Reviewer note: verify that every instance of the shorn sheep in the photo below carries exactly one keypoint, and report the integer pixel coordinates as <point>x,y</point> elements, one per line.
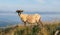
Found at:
<point>28,18</point>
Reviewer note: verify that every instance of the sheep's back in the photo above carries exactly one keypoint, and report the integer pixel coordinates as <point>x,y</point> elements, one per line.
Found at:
<point>33,18</point>
<point>37,17</point>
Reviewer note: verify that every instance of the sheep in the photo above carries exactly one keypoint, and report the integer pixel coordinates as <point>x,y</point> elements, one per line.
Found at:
<point>35,18</point>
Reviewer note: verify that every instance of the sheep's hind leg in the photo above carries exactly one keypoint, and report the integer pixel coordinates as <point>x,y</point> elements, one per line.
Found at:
<point>40,24</point>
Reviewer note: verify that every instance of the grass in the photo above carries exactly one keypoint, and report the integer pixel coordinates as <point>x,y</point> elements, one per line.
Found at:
<point>48,29</point>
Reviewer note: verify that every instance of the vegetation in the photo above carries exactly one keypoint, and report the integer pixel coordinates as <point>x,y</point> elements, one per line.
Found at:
<point>48,29</point>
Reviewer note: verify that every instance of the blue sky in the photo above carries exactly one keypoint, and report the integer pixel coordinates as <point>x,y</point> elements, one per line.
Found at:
<point>30,5</point>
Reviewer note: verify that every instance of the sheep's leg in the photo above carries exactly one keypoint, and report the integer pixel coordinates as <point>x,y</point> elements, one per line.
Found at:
<point>25,24</point>
<point>26,31</point>
<point>40,23</point>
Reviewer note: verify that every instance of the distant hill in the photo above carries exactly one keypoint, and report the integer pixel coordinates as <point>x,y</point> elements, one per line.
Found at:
<point>4,23</point>
<point>31,12</point>
<point>7,12</point>
<point>42,12</point>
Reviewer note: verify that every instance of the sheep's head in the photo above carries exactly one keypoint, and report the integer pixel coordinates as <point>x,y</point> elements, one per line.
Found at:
<point>19,11</point>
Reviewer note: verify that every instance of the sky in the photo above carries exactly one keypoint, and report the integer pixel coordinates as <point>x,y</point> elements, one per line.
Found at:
<point>30,5</point>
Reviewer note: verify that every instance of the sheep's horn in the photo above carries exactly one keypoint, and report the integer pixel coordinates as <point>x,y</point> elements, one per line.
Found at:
<point>18,11</point>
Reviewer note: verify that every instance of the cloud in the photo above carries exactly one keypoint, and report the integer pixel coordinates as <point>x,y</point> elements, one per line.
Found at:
<point>32,5</point>
<point>40,1</point>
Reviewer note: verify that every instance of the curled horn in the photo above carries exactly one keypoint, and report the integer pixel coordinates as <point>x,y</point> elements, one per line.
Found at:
<point>19,11</point>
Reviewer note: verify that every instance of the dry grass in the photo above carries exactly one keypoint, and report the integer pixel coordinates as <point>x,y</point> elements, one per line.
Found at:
<point>48,29</point>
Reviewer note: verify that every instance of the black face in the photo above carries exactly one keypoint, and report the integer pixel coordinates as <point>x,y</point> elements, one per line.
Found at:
<point>19,11</point>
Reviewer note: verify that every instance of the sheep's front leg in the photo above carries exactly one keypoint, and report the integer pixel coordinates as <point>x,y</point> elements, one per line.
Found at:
<point>25,24</point>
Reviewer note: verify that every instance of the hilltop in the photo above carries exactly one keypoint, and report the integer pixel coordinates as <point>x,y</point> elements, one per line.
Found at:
<point>48,29</point>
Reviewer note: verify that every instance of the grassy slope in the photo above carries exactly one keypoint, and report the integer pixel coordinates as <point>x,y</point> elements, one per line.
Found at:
<point>48,29</point>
